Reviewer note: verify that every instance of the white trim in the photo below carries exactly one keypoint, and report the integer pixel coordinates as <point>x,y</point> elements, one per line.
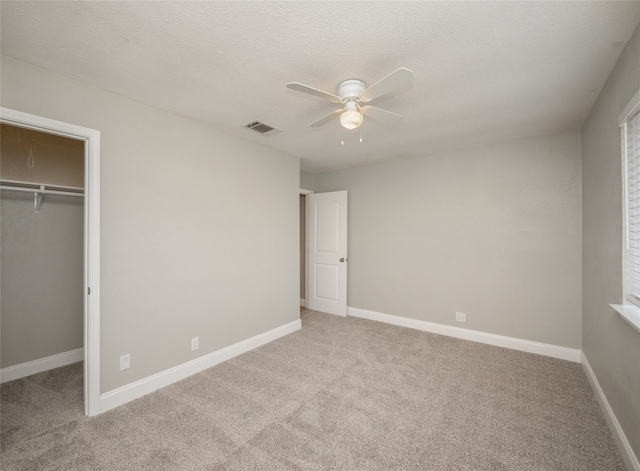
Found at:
<point>630,108</point>
<point>629,457</point>
<point>630,313</point>
<point>91,255</point>
<point>334,314</point>
<point>132,391</point>
<point>43,364</point>
<point>303,302</point>
<point>554,351</point>
<point>305,192</point>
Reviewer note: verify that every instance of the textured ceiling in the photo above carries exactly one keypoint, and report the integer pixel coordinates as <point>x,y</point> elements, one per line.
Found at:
<point>484,71</point>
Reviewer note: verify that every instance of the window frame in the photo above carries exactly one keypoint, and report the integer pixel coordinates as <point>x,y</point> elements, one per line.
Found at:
<point>631,292</point>
<point>630,307</point>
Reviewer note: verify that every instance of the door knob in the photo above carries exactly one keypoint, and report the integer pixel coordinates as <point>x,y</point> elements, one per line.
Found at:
<point>342,259</point>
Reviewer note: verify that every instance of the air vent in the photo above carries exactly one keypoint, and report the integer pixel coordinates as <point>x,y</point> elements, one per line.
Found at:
<point>262,128</point>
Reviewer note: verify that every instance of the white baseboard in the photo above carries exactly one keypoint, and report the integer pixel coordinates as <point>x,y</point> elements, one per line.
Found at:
<point>555,351</point>
<point>303,302</point>
<point>629,457</point>
<point>160,380</point>
<point>43,364</point>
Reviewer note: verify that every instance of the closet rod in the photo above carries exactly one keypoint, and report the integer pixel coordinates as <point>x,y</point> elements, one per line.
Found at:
<point>42,190</point>
<point>39,190</point>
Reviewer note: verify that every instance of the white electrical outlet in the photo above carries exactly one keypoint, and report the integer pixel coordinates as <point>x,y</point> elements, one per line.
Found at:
<point>461,317</point>
<point>195,343</point>
<point>125,362</point>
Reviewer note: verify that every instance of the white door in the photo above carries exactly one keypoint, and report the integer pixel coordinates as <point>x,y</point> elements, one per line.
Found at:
<point>326,288</point>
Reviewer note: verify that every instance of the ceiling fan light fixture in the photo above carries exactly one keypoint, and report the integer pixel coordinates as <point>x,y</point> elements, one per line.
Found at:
<point>351,119</point>
<point>356,97</point>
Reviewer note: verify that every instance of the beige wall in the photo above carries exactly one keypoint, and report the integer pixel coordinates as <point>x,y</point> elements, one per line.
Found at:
<point>611,346</point>
<point>306,181</point>
<point>40,253</point>
<point>56,160</point>
<point>199,230</point>
<point>493,232</point>
<point>41,273</point>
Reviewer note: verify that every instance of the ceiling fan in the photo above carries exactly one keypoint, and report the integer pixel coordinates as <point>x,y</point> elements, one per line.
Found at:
<point>354,96</point>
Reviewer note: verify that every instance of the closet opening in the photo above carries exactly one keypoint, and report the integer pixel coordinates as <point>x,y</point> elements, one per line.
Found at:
<point>49,250</point>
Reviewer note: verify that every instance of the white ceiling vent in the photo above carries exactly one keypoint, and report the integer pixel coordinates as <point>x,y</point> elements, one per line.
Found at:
<point>261,128</point>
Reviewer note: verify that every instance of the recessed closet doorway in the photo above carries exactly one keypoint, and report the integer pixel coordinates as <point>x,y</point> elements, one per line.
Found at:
<point>42,211</point>
<point>50,249</point>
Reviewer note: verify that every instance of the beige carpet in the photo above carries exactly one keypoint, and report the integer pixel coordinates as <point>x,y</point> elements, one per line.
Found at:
<point>341,393</point>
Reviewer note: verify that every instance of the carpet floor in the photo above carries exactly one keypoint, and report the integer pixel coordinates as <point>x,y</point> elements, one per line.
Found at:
<point>341,393</point>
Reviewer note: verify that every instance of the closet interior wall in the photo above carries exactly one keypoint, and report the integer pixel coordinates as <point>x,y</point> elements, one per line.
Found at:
<point>41,252</point>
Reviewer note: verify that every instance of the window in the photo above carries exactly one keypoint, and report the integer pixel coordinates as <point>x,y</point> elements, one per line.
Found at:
<point>630,126</point>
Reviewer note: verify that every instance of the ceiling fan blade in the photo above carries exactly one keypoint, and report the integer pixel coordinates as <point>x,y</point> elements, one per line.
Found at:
<point>395,80</point>
<point>324,120</point>
<point>386,117</point>
<point>312,91</point>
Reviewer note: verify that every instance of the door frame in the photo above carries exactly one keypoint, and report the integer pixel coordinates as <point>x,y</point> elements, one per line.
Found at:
<point>304,192</point>
<point>91,249</point>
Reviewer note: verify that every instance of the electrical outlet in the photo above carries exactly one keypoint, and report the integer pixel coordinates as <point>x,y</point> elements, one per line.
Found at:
<point>125,362</point>
<point>195,343</point>
<point>461,317</point>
